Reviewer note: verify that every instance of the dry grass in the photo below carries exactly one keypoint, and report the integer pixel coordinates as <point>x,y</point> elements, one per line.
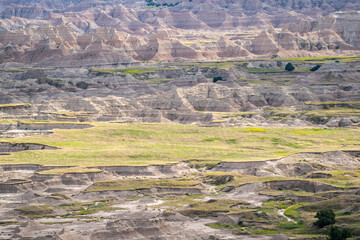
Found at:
<point>144,144</point>
<point>61,171</point>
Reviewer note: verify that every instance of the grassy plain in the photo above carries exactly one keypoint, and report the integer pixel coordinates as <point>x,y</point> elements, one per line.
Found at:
<point>144,144</point>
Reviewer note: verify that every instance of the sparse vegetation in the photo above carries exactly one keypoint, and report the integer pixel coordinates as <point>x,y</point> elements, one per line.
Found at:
<point>14,105</point>
<point>58,83</point>
<point>232,227</point>
<point>135,71</point>
<point>61,171</point>
<point>6,223</point>
<point>36,211</point>
<point>86,208</point>
<point>292,212</point>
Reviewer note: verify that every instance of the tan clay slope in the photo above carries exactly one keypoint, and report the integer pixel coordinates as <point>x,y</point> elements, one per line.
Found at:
<point>345,24</point>
<point>332,35</point>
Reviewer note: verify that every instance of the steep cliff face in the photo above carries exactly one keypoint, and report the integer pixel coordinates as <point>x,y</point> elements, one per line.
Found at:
<point>344,24</point>
<point>86,33</point>
<point>66,44</point>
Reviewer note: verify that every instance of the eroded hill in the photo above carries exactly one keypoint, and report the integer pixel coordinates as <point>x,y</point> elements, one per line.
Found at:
<point>105,33</point>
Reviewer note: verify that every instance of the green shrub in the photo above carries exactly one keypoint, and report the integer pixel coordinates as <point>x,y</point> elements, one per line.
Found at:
<point>289,67</point>
<point>337,233</point>
<point>315,68</point>
<point>326,217</point>
<point>219,78</point>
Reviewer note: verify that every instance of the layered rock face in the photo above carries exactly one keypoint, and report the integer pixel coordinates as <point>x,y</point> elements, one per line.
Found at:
<point>68,33</point>
<point>63,46</point>
<point>336,26</point>
<point>178,94</point>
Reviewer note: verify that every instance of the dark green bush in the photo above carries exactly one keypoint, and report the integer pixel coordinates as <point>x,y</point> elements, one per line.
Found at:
<point>289,67</point>
<point>219,78</point>
<point>326,217</point>
<point>337,233</point>
<point>315,68</point>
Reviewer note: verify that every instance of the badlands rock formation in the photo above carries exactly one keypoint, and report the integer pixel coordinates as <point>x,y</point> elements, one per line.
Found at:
<point>41,205</point>
<point>81,33</point>
<point>184,94</point>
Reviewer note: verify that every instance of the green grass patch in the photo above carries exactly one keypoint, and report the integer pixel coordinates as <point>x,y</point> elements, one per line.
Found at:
<point>141,70</point>
<point>330,104</point>
<point>218,65</point>
<point>36,211</point>
<point>291,225</point>
<point>103,71</point>
<point>342,179</point>
<point>6,223</point>
<point>331,112</point>
<point>251,81</point>
<point>210,208</point>
<point>323,59</point>
<point>14,105</point>
<point>135,71</point>
<point>59,196</point>
<point>231,114</point>
<point>219,205</point>
<point>85,208</point>
<point>280,142</point>
<point>225,226</point>
<point>293,213</point>
<point>212,139</point>
<point>336,203</point>
<point>265,231</point>
<point>278,203</point>
<point>144,144</point>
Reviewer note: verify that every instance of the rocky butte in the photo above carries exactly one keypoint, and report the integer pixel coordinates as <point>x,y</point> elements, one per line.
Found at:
<point>179,119</point>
